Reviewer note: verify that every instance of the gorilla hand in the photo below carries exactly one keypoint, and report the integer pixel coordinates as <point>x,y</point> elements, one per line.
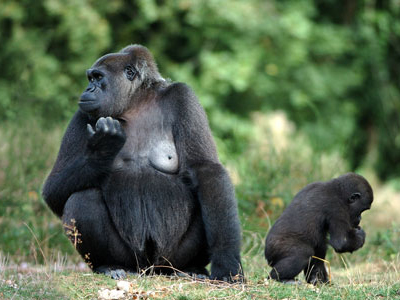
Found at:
<point>106,140</point>
<point>359,239</point>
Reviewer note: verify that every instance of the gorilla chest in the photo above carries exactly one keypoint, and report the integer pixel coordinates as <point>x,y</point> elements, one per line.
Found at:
<point>149,143</point>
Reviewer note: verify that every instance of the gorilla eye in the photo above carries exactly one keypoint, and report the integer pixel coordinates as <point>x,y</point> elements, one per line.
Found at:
<point>130,72</point>
<point>98,76</point>
<point>354,197</point>
<point>94,75</point>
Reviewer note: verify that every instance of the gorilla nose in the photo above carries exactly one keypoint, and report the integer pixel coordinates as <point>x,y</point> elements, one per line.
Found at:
<point>90,89</point>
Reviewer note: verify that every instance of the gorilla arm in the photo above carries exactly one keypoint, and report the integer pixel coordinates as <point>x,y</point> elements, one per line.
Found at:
<point>215,191</point>
<point>344,237</point>
<point>82,161</point>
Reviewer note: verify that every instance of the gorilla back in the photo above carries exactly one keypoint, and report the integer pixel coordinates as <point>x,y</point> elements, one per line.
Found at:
<point>298,239</point>
<point>139,178</point>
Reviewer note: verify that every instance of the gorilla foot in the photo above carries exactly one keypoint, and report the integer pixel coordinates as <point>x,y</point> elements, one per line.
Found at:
<point>238,278</point>
<point>285,281</point>
<point>291,282</point>
<point>114,272</point>
<point>317,276</point>
<point>195,273</point>
<point>316,280</point>
<point>195,276</point>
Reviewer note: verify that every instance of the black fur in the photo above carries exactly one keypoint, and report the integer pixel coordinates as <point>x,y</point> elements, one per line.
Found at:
<point>321,208</point>
<point>128,213</point>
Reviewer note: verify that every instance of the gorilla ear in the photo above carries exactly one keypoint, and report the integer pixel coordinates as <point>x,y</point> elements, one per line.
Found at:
<point>354,197</point>
<point>130,72</point>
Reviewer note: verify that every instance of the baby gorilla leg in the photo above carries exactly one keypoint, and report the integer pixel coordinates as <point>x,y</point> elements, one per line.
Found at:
<point>315,272</point>
<point>90,229</point>
<point>289,267</point>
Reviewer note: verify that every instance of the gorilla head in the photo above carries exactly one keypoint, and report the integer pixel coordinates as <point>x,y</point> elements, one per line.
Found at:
<point>119,76</point>
<point>357,195</point>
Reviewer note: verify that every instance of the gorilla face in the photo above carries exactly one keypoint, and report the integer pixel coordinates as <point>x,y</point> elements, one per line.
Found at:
<point>359,202</point>
<point>91,99</point>
<point>115,79</point>
<point>109,89</point>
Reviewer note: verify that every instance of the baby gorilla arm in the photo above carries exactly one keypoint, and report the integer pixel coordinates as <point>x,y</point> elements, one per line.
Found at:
<point>344,238</point>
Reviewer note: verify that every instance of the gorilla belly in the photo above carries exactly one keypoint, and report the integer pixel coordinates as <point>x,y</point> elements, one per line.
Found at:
<point>151,211</point>
<point>149,204</point>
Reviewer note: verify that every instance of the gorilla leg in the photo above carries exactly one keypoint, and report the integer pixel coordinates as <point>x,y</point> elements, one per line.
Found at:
<point>315,271</point>
<point>198,250</point>
<point>192,255</point>
<point>89,227</point>
<point>288,267</point>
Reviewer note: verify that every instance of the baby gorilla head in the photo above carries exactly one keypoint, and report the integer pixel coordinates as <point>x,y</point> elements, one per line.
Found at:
<point>321,208</point>
<point>357,194</point>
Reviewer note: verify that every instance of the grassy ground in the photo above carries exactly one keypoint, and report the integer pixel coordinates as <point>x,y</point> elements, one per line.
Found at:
<point>369,280</point>
<point>363,275</point>
<point>31,237</point>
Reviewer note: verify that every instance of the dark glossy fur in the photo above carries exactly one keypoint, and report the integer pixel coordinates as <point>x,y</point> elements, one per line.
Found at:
<point>321,208</point>
<point>129,214</point>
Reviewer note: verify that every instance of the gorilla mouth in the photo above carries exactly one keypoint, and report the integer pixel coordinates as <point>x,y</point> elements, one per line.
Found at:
<point>88,105</point>
<point>356,222</point>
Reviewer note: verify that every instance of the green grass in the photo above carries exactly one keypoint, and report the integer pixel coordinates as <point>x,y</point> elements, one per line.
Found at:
<point>370,280</point>
<point>366,276</point>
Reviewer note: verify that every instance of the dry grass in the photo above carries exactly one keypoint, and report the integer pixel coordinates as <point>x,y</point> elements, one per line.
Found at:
<point>369,280</point>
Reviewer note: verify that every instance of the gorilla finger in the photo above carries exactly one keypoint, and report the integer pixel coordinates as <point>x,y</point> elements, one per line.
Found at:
<point>117,124</point>
<point>90,130</point>
<point>118,127</point>
<point>111,125</point>
<point>102,126</point>
<point>99,122</point>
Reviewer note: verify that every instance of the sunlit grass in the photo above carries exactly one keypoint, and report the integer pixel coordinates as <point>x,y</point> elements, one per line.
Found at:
<point>369,280</point>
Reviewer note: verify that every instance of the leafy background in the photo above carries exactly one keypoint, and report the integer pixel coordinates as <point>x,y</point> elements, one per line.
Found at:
<point>295,91</point>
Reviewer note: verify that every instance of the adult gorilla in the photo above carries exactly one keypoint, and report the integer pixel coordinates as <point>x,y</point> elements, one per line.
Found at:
<point>138,176</point>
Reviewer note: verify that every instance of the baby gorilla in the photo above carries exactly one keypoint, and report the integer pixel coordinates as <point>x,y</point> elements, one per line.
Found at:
<point>300,233</point>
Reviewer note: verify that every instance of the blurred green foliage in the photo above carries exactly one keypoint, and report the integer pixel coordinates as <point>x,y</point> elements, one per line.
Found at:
<point>387,242</point>
<point>332,66</point>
